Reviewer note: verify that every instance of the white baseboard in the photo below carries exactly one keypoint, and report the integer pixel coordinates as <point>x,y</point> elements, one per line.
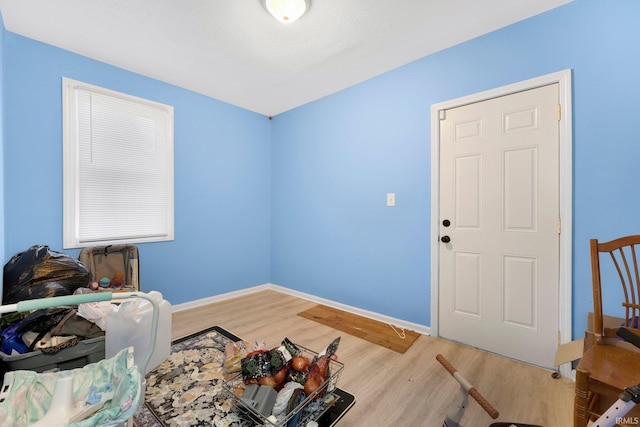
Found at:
<point>218,298</point>
<point>399,323</point>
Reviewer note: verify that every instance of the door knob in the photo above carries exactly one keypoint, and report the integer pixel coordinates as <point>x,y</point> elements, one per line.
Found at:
<point>445,239</point>
<point>446,223</point>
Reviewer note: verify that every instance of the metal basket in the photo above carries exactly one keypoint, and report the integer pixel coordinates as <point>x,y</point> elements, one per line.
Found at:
<point>312,406</point>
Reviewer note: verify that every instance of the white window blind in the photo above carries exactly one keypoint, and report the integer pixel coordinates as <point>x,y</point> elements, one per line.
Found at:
<point>118,167</point>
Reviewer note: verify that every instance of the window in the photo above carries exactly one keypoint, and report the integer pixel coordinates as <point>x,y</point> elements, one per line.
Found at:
<point>118,167</point>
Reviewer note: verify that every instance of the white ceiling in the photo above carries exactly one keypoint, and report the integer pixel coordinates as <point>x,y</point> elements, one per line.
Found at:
<point>234,51</point>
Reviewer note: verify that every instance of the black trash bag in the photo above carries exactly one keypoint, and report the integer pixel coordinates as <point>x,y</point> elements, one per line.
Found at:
<point>42,273</point>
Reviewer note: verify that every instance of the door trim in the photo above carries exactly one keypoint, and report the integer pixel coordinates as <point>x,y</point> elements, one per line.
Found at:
<point>564,81</point>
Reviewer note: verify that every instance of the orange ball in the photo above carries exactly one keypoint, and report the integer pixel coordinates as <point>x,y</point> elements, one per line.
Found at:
<point>118,279</point>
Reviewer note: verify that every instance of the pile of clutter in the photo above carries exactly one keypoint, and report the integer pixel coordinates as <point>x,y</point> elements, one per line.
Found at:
<point>47,330</point>
<point>40,273</point>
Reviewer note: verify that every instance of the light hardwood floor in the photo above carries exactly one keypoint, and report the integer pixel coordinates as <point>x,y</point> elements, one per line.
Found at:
<point>392,389</point>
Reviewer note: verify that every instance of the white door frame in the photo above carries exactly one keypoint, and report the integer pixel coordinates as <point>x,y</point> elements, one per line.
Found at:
<point>563,78</point>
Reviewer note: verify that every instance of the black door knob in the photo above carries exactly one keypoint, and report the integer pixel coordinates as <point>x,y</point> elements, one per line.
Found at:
<point>445,239</point>
<point>446,223</point>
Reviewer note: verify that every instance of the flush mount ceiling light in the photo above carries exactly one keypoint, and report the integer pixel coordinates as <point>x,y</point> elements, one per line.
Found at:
<point>286,11</point>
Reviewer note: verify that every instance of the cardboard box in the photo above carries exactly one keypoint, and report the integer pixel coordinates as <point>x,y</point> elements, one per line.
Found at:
<point>574,350</point>
<point>609,322</point>
<point>569,352</point>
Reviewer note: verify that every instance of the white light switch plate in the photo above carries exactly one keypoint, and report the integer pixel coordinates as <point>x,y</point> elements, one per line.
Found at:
<point>391,199</point>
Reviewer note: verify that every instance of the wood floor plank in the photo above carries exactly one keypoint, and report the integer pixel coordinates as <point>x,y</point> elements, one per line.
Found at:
<point>393,389</point>
<point>380,333</point>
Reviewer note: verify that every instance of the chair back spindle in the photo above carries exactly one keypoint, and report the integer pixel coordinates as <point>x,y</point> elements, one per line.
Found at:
<point>623,255</point>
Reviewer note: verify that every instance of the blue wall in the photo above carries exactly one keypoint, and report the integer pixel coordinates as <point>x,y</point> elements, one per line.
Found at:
<point>335,159</point>
<point>222,174</point>
<point>300,201</point>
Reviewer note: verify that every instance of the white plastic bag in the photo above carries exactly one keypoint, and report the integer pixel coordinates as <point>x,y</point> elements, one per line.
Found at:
<point>96,312</point>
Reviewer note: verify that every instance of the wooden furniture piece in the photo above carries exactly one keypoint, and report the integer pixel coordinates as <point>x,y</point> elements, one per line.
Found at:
<point>607,367</point>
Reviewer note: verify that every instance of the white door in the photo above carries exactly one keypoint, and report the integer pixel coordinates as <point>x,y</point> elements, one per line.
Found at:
<point>499,225</point>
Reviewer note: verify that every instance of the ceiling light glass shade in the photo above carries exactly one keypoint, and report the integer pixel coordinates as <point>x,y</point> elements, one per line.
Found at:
<point>286,11</point>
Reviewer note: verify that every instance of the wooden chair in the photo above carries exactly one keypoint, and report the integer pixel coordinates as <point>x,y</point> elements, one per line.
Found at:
<point>606,369</point>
